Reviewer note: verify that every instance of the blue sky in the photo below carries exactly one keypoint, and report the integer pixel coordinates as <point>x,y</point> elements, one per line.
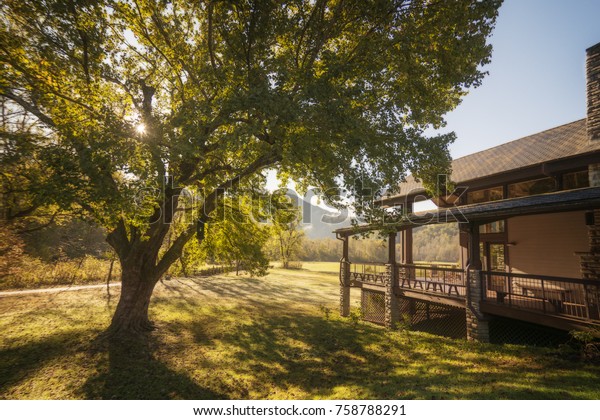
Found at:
<point>536,78</point>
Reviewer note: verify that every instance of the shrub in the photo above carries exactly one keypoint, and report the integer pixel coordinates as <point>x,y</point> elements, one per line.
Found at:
<point>325,311</point>
<point>32,272</point>
<point>587,343</point>
<point>11,252</point>
<point>294,265</point>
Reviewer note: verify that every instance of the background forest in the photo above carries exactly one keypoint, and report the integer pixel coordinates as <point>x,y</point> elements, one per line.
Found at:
<point>430,243</point>
<point>74,252</point>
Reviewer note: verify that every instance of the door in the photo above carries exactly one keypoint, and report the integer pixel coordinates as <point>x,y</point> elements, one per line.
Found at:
<point>493,256</point>
<point>494,259</point>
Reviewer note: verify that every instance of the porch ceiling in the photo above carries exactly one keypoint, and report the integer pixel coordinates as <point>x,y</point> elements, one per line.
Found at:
<point>580,199</point>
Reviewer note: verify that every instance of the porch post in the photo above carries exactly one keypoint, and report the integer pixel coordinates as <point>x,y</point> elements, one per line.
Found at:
<point>407,241</point>
<point>392,248</point>
<point>407,246</point>
<point>345,279</point>
<point>392,314</point>
<point>477,322</point>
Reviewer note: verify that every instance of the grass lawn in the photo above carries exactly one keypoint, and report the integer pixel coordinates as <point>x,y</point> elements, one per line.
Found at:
<point>321,266</point>
<point>244,338</point>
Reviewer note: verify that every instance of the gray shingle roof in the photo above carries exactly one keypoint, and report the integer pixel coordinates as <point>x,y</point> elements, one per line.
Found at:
<point>554,144</point>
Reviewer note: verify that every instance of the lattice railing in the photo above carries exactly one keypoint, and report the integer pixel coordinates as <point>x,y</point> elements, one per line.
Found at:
<point>433,318</point>
<point>373,306</point>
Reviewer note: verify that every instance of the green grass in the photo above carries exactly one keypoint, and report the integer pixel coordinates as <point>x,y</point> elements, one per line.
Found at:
<point>277,337</point>
<point>321,266</point>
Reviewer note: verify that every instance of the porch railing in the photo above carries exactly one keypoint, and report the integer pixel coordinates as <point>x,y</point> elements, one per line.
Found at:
<point>436,279</point>
<point>550,295</point>
<point>372,273</point>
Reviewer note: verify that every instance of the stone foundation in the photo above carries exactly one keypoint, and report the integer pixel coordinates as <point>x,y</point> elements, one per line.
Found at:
<point>344,288</point>
<point>392,311</point>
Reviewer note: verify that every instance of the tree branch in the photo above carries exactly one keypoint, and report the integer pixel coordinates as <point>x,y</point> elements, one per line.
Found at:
<point>40,227</point>
<point>31,108</point>
<point>210,203</point>
<point>117,238</point>
<point>211,52</point>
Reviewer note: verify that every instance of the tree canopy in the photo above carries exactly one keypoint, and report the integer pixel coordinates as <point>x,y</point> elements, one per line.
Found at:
<point>115,107</point>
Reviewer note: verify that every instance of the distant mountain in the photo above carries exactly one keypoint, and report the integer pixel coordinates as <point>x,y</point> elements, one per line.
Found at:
<point>319,223</point>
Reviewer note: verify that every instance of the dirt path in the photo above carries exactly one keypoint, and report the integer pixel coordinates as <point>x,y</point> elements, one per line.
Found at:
<point>57,289</point>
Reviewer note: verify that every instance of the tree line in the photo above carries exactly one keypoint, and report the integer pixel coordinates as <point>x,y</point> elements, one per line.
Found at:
<point>430,243</point>
<point>73,252</point>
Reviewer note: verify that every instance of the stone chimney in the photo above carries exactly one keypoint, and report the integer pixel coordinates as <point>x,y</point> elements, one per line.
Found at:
<point>593,92</point>
<point>590,261</point>
<point>593,106</point>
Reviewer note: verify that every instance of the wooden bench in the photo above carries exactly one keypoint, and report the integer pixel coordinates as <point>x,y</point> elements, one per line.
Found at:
<point>449,287</point>
<point>552,293</point>
<point>443,287</point>
<point>498,284</point>
<point>531,303</point>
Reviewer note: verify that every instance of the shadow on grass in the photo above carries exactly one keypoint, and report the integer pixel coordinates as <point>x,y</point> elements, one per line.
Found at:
<point>287,351</point>
<point>320,357</point>
<point>132,372</point>
<point>249,291</point>
<point>19,362</point>
<point>129,370</point>
<point>270,342</point>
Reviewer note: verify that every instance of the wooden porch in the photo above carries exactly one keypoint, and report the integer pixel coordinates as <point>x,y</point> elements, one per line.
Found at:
<point>434,283</point>
<point>562,303</point>
<point>483,287</point>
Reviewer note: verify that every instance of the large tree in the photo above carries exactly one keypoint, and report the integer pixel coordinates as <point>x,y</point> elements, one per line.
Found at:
<point>129,103</point>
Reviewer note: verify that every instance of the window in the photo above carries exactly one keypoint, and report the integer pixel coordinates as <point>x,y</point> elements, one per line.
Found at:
<point>536,186</point>
<point>575,180</point>
<point>494,227</point>
<point>481,196</point>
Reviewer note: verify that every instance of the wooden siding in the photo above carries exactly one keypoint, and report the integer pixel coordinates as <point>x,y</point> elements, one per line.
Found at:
<point>546,244</point>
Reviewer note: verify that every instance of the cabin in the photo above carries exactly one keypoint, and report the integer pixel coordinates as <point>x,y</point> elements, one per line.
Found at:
<point>528,213</point>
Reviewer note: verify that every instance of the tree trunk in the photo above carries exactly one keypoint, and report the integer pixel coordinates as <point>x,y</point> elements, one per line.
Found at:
<point>184,270</point>
<point>131,315</point>
<point>109,277</point>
